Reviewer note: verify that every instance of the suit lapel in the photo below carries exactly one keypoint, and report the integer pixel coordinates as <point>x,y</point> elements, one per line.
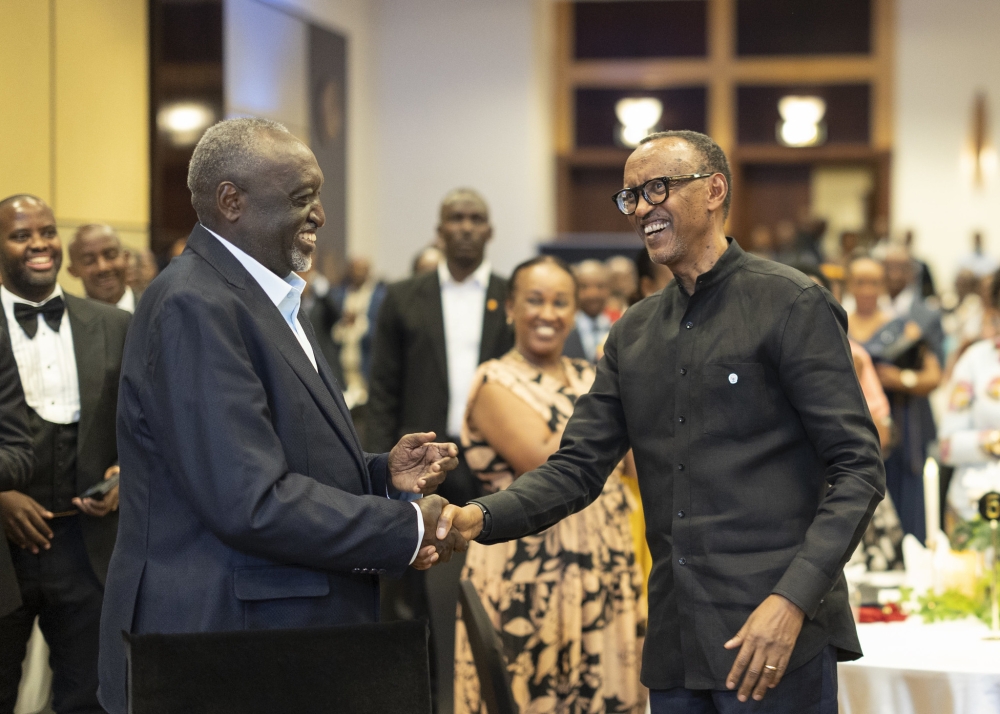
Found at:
<point>88,348</point>
<point>330,382</point>
<point>280,335</point>
<point>494,319</point>
<point>435,322</point>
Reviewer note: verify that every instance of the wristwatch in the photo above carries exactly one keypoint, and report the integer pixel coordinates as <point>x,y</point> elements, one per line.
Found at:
<point>487,522</point>
<point>909,378</point>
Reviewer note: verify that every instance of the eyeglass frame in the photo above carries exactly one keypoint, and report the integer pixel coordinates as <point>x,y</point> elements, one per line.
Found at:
<point>641,190</point>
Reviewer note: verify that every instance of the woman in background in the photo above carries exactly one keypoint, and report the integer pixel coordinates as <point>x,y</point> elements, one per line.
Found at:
<point>970,428</point>
<point>565,602</point>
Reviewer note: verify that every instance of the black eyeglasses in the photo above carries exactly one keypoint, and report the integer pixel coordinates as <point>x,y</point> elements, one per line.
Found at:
<point>654,191</point>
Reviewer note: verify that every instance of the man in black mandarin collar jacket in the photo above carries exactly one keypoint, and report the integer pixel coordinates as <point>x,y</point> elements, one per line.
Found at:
<point>757,459</point>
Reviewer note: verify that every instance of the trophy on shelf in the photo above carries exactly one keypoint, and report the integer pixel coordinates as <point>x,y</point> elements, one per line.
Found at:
<point>989,509</point>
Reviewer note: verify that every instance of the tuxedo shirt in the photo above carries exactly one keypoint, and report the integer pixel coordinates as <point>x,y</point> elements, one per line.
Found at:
<point>46,363</point>
<point>127,302</point>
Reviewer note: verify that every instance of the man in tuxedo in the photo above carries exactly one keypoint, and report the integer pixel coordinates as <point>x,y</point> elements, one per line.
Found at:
<point>249,503</point>
<point>68,352</point>
<point>97,258</point>
<point>16,456</point>
<point>757,459</point>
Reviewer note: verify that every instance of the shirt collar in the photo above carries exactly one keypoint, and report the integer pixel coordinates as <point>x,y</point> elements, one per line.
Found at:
<point>127,303</point>
<point>10,298</point>
<point>275,288</point>
<point>727,263</point>
<point>480,278</point>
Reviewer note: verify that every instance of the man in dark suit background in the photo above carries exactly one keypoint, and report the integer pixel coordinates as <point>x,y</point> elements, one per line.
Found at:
<point>248,502</point>
<point>16,457</point>
<point>433,331</point>
<point>68,352</point>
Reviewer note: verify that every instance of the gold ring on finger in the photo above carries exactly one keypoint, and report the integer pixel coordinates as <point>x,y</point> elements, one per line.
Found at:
<point>770,667</point>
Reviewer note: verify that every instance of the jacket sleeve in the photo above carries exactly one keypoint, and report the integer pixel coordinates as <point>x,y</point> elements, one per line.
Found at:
<point>817,375</point>
<point>595,440</point>
<point>386,384</point>
<point>16,447</point>
<point>209,410</point>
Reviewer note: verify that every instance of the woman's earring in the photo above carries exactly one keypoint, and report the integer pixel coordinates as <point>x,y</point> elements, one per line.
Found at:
<point>510,321</point>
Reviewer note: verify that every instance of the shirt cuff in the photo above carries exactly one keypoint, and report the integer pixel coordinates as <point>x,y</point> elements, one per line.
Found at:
<point>420,532</point>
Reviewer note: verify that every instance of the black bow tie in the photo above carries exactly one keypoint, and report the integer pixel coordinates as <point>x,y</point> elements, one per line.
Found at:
<point>27,315</point>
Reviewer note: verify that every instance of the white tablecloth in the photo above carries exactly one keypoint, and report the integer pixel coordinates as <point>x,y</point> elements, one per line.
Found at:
<point>913,668</point>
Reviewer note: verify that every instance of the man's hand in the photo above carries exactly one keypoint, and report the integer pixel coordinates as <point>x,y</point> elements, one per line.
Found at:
<point>467,521</point>
<point>766,641</point>
<point>435,549</point>
<point>93,507</point>
<point>24,521</point>
<point>418,465</point>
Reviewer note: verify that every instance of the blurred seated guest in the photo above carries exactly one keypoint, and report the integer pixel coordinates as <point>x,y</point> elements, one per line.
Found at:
<point>978,261</point>
<point>142,268</point>
<point>359,298</point>
<point>565,602</point>
<point>809,237</point>
<point>907,300</point>
<point>623,281</point>
<point>761,242</point>
<point>426,261</point>
<point>97,258</point>
<point>970,428</point>
<point>924,278</point>
<point>788,246</point>
<point>592,321</point>
<point>964,322</point>
<point>908,370</point>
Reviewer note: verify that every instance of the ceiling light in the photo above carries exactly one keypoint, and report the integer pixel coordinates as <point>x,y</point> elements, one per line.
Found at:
<point>184,122</point>
<point>638,117</point>
<point>802,121</point>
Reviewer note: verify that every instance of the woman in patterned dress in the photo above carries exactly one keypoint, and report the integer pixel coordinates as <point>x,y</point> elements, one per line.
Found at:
<point>565,602</point>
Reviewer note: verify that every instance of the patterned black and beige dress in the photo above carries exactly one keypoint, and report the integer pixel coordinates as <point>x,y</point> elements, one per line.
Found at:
<point>566,602</point>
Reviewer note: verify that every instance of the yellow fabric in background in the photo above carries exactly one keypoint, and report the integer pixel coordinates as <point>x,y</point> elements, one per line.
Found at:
<point>637,520</point>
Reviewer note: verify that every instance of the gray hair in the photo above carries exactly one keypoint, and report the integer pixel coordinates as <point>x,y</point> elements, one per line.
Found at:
<point>713,157</point>
<point>226,151</point>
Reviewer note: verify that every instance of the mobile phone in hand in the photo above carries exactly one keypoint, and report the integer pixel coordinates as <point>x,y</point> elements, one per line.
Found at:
<point>99,490</point>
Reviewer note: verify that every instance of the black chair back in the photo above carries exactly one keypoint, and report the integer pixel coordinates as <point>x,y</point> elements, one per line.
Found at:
<point>361,668</point>
<point>487,651</point>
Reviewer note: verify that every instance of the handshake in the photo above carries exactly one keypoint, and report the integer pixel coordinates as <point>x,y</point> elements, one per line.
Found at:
<point>419,465</point>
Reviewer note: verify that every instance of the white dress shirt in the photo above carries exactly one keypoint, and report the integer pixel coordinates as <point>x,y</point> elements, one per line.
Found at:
<point>287,297</point>
<point>462,306</point>
<point>47,363</point>
<point>286,294</point>
<point>592,331</point>
<point>127,303</point>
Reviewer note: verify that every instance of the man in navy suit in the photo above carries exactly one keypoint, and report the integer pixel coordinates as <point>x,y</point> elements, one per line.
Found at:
<point>249,503</point>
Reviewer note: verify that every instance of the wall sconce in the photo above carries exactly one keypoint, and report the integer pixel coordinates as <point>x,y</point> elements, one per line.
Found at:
<point>184,122</point>
<point>638,117</point>
<point>802,121</point>
<point>980,156</point>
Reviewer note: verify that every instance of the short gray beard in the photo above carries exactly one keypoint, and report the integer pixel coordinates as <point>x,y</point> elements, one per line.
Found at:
<point>300,261</point>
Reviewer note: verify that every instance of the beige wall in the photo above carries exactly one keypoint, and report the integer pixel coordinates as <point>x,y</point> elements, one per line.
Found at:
<point>73,75</point>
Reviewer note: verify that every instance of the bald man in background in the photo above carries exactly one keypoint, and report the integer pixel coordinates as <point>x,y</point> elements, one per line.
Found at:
<point>593,279</point>
<point>97,258</point>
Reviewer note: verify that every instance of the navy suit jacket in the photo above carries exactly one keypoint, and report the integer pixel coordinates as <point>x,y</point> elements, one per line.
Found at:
<point>246,500</point>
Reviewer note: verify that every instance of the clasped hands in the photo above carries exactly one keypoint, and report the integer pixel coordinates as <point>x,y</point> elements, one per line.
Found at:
<point>418,465</point>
